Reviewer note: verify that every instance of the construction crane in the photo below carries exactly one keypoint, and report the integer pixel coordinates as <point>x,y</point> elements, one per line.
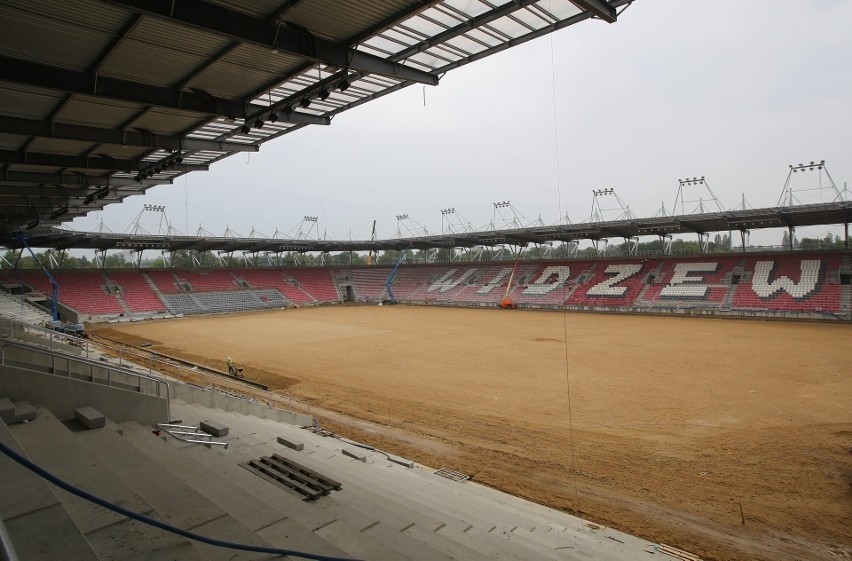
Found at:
<point>54,297</point>
<point>391,298</point>
<point>507,303</point>
<point>371,256</point>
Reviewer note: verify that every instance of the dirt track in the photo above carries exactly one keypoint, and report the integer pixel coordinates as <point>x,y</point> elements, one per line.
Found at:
<point>676,421</point>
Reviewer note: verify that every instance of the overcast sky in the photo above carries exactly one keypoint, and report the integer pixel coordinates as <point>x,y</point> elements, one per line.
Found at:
<point>731,90</point>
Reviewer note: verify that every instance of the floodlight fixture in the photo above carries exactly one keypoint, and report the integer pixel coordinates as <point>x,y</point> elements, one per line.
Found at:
<point>273,117</point>
<point>102,193</point>
<point>448,211</point>
<point>287,110</point>
<point>305,102</point>
<point>258,123</point>
<point>324,93</point>
<point>310,218</point>
<point>90,198</point>
<point>245,129</point>
<point>343,85</point>
<point>502,204</point>
<point>402,217</point>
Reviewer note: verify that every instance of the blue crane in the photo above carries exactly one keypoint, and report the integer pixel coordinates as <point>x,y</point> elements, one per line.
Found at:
<point>54,298</point>
<point>392,275</point>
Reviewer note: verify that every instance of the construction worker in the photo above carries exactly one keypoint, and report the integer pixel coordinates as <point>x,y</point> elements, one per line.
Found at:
<point>232,367</point>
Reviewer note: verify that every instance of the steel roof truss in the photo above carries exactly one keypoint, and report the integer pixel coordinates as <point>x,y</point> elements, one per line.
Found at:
<point>269,35</point>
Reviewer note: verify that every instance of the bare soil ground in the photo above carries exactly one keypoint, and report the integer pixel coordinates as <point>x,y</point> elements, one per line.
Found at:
<point>672,427</point>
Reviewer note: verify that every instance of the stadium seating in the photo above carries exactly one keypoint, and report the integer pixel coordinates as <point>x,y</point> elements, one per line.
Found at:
<point>754,284</point>
<point>317,282</point>
<point>136,291</point>
<point>274,278</point>
<point>212,280</point>
<point>164,280</point>
<point>790,283</point>
<point>83,291</point>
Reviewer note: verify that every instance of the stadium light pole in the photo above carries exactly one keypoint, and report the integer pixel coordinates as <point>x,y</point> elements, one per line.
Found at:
<point>444,212</point>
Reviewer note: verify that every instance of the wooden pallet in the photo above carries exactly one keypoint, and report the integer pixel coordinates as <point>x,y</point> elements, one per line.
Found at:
<point>291,476</point>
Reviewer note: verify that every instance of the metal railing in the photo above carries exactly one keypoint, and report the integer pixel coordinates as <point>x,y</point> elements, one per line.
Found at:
<point>62,364</point>
<point>190,431</point>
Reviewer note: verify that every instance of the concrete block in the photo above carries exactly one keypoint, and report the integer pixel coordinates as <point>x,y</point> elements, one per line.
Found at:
<point>401,461</point>
<point>11,413</point>
<point>90,417</point>
<point>290,444</point>
<point>214,428</point>
<point>354,454</point>
<point>7,409</point>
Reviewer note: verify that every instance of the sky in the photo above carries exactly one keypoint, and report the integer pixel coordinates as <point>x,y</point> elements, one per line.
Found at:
<point>733,91</point>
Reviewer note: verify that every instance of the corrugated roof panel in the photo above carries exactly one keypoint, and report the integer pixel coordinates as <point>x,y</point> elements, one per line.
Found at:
<point>142,62</point>
<point>59,146</point>
<point>532,18</point>
<point>509,26</point>
<point>341,20</point>
<point>473,8</point>
<point>257,8</point>
<point>24,101</point>
<point>561,9</point>
<point>166,122</point>
<point>181,38</point>
<point>466,44</point>
<point>232,80</point>
<point>260,58</point>
<point>487,38</point>
<point>40,38</point>
<point>92,14</point>
<point>95,112</point>
<point>12,141</point>
<point>122,152</point>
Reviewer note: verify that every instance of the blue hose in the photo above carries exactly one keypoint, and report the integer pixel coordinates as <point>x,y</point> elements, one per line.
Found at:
<point>156,523</point>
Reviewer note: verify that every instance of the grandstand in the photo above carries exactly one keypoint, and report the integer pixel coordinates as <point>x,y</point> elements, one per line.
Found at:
<point>102,100</point>
<point>787,285</point>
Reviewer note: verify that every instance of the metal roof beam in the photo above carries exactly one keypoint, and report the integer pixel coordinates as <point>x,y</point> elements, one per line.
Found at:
<point>75,179</point>
<point>42,129</point>
<point>56,78</point>
<point>83,162</point>
<point>270,35</point>
<point>599,8</point>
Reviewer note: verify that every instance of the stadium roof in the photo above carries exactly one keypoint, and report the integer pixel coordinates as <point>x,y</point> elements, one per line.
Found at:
<point>102,99</point>
<point>804,215</point>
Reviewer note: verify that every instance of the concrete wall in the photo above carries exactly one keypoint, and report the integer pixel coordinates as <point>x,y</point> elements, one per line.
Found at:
<point>61,395</point>
<point>208,398</point>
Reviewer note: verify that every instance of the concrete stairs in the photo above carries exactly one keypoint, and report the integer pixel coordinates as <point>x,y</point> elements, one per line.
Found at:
<point>428,516</point>
<point>383,510</point>
<point>38,524</point>
<point>12,305</point>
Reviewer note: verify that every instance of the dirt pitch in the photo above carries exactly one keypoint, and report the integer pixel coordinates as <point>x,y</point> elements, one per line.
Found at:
<point>677,422</point>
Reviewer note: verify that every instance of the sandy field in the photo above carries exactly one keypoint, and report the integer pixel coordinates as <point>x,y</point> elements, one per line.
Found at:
<point>730,439</point>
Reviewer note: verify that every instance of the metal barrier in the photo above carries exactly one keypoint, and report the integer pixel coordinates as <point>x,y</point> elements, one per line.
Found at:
<point>114,376</point>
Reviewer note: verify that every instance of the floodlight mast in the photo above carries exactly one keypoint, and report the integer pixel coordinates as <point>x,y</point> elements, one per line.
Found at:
<point>597,213</point>
<point>706,196</point>
<point>790,194</point>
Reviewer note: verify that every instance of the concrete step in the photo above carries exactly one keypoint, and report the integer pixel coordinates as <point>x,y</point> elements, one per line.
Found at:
<point>40,528</point>
<point>271,524</point>
<point>50,444</point>
<point>456,507</point>
<point>328,516</point>
<point>340,524</point>
<point>176,502</point>
<point>398,508</point>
